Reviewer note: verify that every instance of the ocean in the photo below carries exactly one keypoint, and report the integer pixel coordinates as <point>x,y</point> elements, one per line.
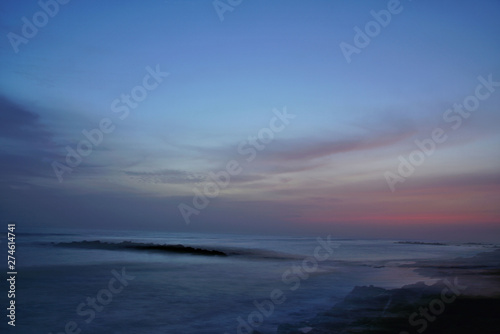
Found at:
<point>129,283</point>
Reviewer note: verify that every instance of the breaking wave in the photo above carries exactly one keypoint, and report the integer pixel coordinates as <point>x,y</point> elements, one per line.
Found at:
<point>257,254</point>
<point>128,245</point>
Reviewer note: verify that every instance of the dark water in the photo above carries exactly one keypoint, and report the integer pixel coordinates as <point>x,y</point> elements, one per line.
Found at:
<point>65,285</point>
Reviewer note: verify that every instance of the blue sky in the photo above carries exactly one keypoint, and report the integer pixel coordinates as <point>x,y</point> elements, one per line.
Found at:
<point>324,172</point>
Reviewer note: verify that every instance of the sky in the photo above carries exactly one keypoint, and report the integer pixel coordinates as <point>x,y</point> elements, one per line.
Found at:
<point>373,119</point>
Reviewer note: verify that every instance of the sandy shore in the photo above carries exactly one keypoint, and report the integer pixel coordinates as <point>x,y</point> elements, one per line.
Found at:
<point>465,299</point>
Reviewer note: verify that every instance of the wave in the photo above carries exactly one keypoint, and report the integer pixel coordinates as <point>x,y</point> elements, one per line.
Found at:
<point>128,245</point>
<point>420,243</point>
<point>249,253</point>
<point>469,244</point>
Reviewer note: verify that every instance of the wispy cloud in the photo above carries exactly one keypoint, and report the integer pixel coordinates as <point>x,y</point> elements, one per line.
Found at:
<point>19,123</point>
<point>26,144</point>
<point>171,176</point>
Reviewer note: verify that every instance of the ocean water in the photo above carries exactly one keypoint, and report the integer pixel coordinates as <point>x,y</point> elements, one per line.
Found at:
<point>67,286</point>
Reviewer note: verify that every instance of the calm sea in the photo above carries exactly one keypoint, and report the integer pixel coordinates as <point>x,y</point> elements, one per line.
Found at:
<point>263,282</point>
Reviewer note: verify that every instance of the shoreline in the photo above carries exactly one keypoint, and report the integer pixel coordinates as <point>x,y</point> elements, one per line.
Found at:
<point>463,300</point>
